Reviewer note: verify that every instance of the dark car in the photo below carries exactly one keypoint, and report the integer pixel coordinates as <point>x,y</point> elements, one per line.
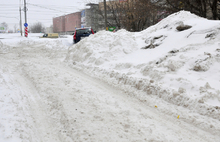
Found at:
<point>81,33</point>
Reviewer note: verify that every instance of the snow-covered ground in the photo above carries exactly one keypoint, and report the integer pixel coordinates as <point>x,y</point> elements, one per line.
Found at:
<point>160,84</point>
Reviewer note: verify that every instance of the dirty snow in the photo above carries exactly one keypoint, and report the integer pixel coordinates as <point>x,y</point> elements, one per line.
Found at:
<point>156,85</point>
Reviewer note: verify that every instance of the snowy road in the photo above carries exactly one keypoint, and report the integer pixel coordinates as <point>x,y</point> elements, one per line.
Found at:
<point>51,102</point>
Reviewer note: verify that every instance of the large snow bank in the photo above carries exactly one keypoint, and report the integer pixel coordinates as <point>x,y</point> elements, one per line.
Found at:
<point>103,47</point>
<point>182,67</point>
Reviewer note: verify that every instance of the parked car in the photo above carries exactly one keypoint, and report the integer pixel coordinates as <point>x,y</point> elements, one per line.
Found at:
<point>82,33</point>
<point>50,35</point>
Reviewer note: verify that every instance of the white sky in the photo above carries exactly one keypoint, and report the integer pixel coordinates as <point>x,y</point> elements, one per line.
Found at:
<point>39,10</point>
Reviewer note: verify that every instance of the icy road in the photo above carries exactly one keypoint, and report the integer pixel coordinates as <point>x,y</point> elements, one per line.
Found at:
<point>44,100</point>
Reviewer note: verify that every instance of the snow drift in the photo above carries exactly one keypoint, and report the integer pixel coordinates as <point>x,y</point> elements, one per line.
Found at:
<point>179,66</point>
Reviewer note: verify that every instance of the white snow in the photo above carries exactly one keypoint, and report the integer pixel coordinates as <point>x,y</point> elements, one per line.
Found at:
<point>111,87</point>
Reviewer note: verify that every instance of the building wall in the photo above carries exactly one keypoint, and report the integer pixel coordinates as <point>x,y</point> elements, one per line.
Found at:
<point>67,23</point>
<point>72,21</point>
<point>59,24</point>
<point>89,17</point>
<point>49,30</point>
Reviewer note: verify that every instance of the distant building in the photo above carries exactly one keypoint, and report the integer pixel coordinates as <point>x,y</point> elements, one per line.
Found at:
<point>48,30</point>
<point>59,24</point>
<point>67,23</point>
<point>72,21</point>
<point>90,17</point>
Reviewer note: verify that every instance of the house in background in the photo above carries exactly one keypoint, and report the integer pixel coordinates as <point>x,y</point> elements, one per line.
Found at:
<point>89,17</point>
<point>59,24</point>
<point>67,24</point>
<point>48,30</point>
<point>93,17</point>
<point>72,21</point>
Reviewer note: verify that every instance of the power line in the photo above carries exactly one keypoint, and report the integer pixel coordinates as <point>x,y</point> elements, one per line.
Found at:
<point>47,8</point>
<point>43,11</point>
<point>11,10</point>
<point>40,19</point>
<point>8,17</point>
<point>8,10</point>
<point>55,6</point>
<point>9,4</point>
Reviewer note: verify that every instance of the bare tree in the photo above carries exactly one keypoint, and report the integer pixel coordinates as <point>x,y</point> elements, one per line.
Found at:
<point>199,7</point>
<point>133,15</point>
<point>115,17</point>
<point>204,8</point>
<point>218,9</point>
<point>114,10</point>
<point>140,14</point>
<point>136,15</point>
<point>214,8</point>
<point>37,28</point>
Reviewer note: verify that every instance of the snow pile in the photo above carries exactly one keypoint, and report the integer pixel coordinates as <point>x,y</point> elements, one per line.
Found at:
<point>103,47</point>
<point>4,48</point>
<point>180,66</point>
<point>11,41</point>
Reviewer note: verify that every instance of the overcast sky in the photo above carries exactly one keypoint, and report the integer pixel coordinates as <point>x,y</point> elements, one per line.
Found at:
<point>39,10</point>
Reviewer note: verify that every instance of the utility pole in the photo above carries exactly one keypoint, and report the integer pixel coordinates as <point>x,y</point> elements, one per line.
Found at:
<point>25,15</point>
<point>20,17</point>
<point>105,15</point>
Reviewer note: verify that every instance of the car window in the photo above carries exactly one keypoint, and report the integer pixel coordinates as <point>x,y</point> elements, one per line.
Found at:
<point>84,31</point>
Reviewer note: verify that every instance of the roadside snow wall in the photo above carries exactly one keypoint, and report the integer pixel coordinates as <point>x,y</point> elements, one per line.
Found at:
<point>181,67</point>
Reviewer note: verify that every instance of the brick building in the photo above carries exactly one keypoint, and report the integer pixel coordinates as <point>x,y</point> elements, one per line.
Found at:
<point>72,21</point>
<point>67,23</point>
<point>59,24</point>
